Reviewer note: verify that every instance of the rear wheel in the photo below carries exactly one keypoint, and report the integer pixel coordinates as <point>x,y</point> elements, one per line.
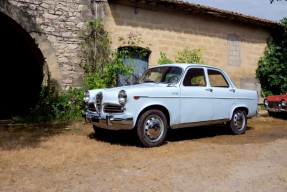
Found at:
<point>238,123</point>
<point>152,128</point>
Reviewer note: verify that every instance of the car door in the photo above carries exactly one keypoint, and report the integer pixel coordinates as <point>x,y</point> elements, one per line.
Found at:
<point>223,94</point>
<point>195,97</point>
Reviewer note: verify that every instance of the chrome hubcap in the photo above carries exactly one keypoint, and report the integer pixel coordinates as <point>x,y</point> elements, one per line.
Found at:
<point>239,120</point>
<point>153,128</point>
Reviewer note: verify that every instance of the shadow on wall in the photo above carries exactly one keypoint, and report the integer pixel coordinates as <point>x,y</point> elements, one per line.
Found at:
<point>21,69</point>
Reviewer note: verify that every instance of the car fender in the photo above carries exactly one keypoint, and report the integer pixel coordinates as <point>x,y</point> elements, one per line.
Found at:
<point>236,106</point>
<point>148,103</point>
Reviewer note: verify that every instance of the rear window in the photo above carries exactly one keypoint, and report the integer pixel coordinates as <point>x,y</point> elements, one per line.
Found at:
<point>216,79</point>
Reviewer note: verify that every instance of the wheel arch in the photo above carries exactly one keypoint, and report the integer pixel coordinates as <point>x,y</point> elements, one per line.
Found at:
<point>244,108</point>
<point>158,107</point>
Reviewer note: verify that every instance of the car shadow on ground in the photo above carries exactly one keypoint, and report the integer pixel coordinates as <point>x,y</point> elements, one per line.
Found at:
<point>199,132</point>
<point>129,138</point>
<point>282,116</point>
<point>122,137</point>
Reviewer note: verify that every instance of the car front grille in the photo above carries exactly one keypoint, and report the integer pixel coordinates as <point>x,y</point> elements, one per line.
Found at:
<point>111,108</point>
<point>99,99</point>
<point>272,104</point>
<point>91,107</point>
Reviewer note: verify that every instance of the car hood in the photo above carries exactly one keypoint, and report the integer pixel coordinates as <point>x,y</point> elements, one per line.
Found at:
<point>110,95</point>
<point>277,98</point>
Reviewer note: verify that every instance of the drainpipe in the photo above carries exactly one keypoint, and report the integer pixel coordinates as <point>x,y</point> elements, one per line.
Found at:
<point>96,16</point>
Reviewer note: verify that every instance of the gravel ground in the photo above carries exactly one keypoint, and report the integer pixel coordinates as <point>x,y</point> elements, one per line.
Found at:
<point>73,158</point>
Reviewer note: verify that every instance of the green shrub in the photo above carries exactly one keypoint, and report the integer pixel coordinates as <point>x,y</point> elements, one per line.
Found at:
<point>272,67</point>
<point>54,105</point>
<point>185,56</point>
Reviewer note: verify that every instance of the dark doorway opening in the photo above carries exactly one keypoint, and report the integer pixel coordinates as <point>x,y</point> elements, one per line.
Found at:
<point>137,61</point>
<point>21,69</point>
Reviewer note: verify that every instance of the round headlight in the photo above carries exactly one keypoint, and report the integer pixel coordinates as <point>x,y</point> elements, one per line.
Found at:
<point>122,97</point>
<point>86,96</point>
<point>265,102</point>
<point>283,103</point>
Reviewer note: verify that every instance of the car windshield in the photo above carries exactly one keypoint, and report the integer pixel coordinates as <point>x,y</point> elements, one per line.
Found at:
<point>161,75</point>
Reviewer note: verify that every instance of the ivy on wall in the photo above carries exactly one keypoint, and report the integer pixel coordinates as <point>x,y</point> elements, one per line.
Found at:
<point>101,63</point>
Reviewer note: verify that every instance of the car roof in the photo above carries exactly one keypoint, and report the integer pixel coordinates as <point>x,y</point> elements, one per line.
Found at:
<point>185,65</point>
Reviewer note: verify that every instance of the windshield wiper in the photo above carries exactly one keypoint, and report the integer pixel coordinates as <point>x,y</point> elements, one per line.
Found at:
<point>149,81</point>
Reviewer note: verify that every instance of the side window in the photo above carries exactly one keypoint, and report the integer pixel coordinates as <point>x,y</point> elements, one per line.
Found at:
<point>216,79</point>
<point>194,77</point>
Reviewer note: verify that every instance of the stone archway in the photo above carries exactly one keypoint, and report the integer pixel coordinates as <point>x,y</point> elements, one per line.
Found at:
<point>21,69</point>
<point>28,23</point>
<point>24,54</point>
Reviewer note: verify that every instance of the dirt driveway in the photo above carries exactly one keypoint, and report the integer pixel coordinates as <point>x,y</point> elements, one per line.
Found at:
<point>73,158</point>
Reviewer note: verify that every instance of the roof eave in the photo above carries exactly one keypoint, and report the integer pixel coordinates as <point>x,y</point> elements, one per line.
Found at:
<point>208,11</point>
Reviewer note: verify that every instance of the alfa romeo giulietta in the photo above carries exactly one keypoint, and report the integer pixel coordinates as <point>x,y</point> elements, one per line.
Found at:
<point>171,96</point>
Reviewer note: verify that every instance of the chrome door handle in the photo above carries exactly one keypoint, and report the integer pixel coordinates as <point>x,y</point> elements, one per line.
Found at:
<point>232,90</point>
<point>209,90</point>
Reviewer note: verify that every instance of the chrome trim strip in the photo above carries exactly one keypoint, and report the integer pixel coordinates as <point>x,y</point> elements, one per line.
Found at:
<point>159,97</point>
<point>208,97</point>
<point>246,98</point>
<point>194,124</point>
<point>183,97</point>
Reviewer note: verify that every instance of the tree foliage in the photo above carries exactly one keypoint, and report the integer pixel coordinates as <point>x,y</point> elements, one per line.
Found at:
<point>185,56</point>
<point>272,67</point>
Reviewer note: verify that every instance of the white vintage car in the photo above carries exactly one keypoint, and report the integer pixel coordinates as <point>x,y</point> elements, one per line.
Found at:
<point>171,96</point>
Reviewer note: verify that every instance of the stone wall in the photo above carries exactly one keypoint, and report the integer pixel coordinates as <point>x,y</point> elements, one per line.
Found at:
<point>56,26</point>
<point>171,30</point>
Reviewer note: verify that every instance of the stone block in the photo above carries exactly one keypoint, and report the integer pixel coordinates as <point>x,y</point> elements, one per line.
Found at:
<point>66,34</point>
<point>63,60</point>
<point>50,16</point>
<point>72,46</point>
<point>44,5</point>
<point>68,81</point>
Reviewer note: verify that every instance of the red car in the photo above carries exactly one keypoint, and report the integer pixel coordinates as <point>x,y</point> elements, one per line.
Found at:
<point>276,103</point>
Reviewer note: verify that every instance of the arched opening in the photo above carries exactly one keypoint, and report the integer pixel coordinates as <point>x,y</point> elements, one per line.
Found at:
<point>139,60</point>
<point>21,69</point>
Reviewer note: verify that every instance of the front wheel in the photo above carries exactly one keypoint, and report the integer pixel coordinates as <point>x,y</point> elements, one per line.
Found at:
<point>238,122</point>
<point>152,128</point>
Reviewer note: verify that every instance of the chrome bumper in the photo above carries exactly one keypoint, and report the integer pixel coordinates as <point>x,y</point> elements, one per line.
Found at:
<point>276,109</point>
<point>109,122</point>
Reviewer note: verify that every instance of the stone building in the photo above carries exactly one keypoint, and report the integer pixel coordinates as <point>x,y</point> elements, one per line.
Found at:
<point>38,36</point>
<point>233,42</point>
